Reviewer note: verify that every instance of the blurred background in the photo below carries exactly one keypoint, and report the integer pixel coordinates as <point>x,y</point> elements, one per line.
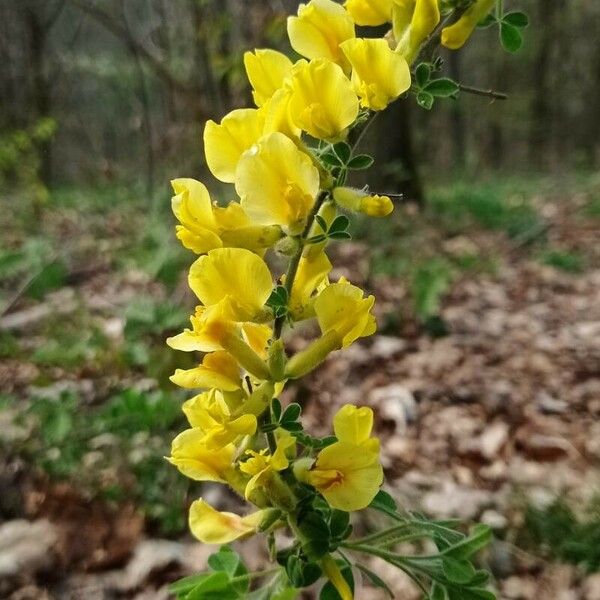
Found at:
<point>484,373</point>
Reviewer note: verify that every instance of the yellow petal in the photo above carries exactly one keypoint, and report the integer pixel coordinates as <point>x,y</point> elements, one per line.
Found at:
<point>191,456</point>
<point>266,70</point>
<point>277,182</point>
<point>348,475</point>
<point>370,12</point>
<point>425,17</point>
<point>341,307</point>
<point>455,36</point>
<point>312,273</point>
<point>218,370</point>
<point>277,114</point>
<point>379,75</point>
<point>224,143</point>
<point>352,424</point>
<point>318,30</point>
<point>211,526</point>
<point>257,337</point>
<point>323,102</point>
<point>233,274</point>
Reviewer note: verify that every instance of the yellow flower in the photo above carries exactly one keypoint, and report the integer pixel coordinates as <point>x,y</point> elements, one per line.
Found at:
<point>209,413</point>
<point>224,143</point>
<point>425,17</point>
<point>348,472</point>
<point>206,226</point>
<point>379,75</point>
<point>341,308</point>
<point>262,465</point>
<point>214,328</point>
<point>234,278</point>
<point>277,113</point>
<point>359,201</point>
<point>344,315</point>
<point>277,183</point>
<point>370,12</point>
<point>266,70</point>
<point>311,276</point>
<point>218,370</point>
<point>322,101</point>
<point>191,455</point>
<point>211,526</point>
<point>319,29</point>
<point>458,33</point>
<point>209,327</point>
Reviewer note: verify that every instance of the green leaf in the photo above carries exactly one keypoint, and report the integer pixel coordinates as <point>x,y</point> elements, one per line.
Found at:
<point>338,523</point>
<point>316,239</point>
<point>329,158</point>
<point>215,587</point>
<point>360,161</point>
<point>438,592</point>
<point>340,223</point>
<point>315,530</point>
<point>340,235</point>
<point>291,413</point>
<point>442,88</point>
<point>292,426</point>
<point>511,37</point>
<point>52,277</point>
<point>186,584</point>
<point>322,222</point>
<point>302,573</point>
<point>425,100</point>
<point>516,19</point>
<point>487,21</point>
<point>328,591</point>
<point>458,571</point>
<point>480,537</point>
<point>276,409</point>
<point>470,594</point>
<point>343,151</point>
<point>278,297</point>
<point>229,562</point>
<point>383,502</point>
<point>422,74</point>
<point>375,579</point>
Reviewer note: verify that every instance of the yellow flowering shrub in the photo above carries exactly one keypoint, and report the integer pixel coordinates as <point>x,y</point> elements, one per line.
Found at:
<point>288,159</point>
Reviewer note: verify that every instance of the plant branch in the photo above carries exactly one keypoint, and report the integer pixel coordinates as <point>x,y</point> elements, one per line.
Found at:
<point>295,260</point>
<point>481,92</point>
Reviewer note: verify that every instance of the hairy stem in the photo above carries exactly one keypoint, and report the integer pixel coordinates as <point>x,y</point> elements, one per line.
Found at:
<point>290,276</point>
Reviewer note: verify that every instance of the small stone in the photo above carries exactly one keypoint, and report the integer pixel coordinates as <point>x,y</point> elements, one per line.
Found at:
<point>26,547</point>
<point>488,444</point>
<point>544,447</point>
<point>494,519</point>
<point>395,403</point>
<point>386,346</point>
<point>549,405</point>
<point>591,587</point>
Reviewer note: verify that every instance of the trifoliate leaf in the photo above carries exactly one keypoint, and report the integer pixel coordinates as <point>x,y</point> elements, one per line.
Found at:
<point>425,100</point>
<point>442,88</point>
<point>516,19</point>
<point>422,74</point>
<point>511,37</point>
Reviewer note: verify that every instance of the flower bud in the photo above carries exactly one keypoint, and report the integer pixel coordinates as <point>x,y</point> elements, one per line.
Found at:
<point>311,357</point>
<point>359,201</point>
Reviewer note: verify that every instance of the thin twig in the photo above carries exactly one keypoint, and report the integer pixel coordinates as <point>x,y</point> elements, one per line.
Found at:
<point>481,92</point>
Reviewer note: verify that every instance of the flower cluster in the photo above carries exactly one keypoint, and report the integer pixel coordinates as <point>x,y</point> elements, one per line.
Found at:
<point>288,158</point>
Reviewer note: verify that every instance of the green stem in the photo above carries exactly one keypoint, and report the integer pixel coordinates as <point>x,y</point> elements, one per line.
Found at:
<point>255,575</point>
<point>290,276</point>
<point>369,539</point>
<point>265,419</point>
<point>499,10</point>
